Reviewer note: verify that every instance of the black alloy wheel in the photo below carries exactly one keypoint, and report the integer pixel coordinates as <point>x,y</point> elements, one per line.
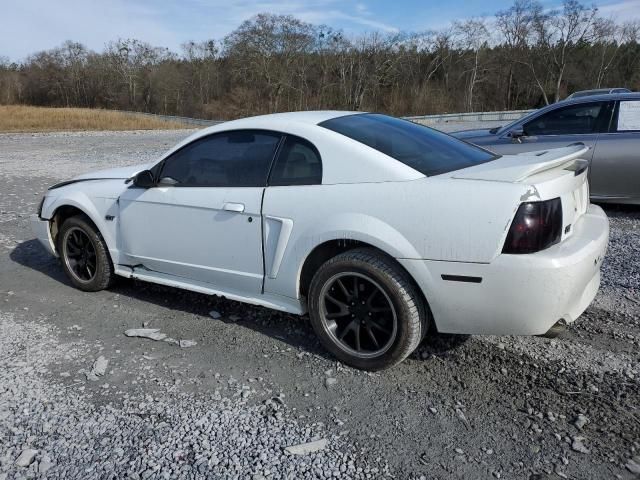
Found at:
<point>366,309</point>
<point>84,254</point>
<point>79,254</point>
<point>358,314</point>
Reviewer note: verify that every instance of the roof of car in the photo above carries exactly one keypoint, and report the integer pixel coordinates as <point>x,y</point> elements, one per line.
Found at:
<point>284,122</point>
<point>601,96</point>
<point>343,158</point>
<point>276,121</point>
<point>595,91</point>
<point>313,117</point>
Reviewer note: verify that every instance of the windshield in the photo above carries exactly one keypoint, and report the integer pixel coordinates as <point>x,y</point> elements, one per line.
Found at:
<point>426,150</point>
<point>523,119</point>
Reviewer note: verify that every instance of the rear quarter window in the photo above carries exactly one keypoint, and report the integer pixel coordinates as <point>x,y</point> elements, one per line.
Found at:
<point>426,150</point>
<point>298,163</point>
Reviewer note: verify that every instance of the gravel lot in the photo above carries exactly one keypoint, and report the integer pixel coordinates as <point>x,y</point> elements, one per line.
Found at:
<point>79,399</point>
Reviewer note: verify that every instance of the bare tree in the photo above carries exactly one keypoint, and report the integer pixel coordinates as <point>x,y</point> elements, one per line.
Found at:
<point>515,25</point>
<point>269,45</point>
<point>606,38</point>
<point>528,57</point>
<point>559,33</point>
<point>473,36</point>
<point>10,85</point>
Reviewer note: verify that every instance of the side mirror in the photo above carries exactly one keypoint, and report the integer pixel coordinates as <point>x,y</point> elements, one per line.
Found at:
<point>144,179</point>
<point>516,134</point>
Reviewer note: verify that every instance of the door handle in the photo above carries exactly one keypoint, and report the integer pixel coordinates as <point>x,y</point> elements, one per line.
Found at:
<point>233,207</point>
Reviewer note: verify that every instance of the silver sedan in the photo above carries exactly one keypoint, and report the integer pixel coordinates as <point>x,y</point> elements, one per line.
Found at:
<point>608,124</point>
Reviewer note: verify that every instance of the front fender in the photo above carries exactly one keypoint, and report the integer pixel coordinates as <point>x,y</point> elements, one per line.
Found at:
<point>94,208</point>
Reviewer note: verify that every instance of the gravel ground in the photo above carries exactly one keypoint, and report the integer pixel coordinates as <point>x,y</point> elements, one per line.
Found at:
<point>80,399</point>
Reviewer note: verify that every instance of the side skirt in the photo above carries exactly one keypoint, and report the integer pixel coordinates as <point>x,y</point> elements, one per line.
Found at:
<point>275,302</point>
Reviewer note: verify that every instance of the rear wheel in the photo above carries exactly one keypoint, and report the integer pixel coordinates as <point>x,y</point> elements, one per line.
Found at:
<point>84,254</point>
<point>366,310</point>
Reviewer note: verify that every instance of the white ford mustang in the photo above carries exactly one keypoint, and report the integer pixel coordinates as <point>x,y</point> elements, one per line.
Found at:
<point>378,227</point>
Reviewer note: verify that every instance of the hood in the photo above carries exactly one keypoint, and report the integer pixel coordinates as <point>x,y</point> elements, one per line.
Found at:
<point>516,168</point>
<point>108,174</point>
<point>468,134</point>
<point>113,173</point>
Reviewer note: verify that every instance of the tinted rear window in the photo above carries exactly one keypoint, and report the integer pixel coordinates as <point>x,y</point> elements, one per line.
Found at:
<point>426,150</point>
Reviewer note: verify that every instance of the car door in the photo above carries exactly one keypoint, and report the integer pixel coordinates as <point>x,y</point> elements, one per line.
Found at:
<point>615,168</point>
<point>559,127</point>
<point>297,170</point>
<point>202,220</point>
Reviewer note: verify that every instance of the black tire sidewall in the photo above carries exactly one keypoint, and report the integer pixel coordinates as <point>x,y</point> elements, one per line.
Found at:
<point>397,352</point>
<point>104,267</point>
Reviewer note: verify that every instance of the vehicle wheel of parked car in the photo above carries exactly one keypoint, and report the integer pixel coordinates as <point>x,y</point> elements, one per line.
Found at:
<point>366,310</point>
<point>84,255</point>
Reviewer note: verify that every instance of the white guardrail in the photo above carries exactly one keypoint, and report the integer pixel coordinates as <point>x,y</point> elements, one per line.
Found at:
<point>172,118</point>
<point>469,117</point>
<point>424,119</point>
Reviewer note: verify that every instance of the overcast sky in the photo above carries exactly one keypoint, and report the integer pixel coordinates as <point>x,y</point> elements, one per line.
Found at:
<point>32,25</point>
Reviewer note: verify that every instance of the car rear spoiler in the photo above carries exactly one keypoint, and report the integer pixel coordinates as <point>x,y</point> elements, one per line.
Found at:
<point>516,168</point>
<point>543,160</point>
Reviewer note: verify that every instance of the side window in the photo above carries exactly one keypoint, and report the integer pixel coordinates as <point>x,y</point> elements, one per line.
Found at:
<point>238,158</point>
<point>298,163</point>
<point>570,120</point>
<point>628,117</point>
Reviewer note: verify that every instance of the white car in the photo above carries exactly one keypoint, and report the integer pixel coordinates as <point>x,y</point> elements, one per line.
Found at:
<point>380,228</point>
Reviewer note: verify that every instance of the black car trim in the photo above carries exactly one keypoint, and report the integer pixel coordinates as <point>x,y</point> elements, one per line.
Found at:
<point>461,278</point>
<point>69,182</point>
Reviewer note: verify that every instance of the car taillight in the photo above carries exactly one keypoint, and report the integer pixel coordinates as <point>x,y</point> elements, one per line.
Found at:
<point>536,226</point>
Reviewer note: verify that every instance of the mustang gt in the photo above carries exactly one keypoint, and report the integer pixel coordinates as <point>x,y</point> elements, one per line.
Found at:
<point>379,228</point>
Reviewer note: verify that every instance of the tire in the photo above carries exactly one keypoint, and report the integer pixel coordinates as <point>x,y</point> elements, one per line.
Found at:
<point>399,327</point>
<point>96,255</point>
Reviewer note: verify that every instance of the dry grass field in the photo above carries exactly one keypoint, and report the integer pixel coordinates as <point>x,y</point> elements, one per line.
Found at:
<point>20,118</point>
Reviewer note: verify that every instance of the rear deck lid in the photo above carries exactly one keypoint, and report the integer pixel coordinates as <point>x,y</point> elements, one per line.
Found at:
<point>547,174</point>
<point>517,168</point>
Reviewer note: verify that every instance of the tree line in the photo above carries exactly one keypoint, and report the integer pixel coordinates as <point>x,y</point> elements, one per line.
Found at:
<point>523,57</point>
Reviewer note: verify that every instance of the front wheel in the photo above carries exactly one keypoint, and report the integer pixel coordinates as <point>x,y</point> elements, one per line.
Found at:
<point>366,310</point>
<point>84,254</point>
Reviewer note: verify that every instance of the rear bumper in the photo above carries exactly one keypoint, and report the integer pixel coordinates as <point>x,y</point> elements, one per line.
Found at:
<point>518,294</point>
<point>41,230</point>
